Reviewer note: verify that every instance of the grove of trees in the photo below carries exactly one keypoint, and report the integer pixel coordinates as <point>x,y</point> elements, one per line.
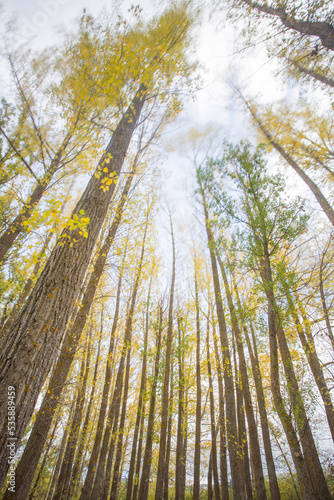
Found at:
<point>141,359</point>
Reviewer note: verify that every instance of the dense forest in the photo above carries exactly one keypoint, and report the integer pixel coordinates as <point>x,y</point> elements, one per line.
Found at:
<point>142,359</point>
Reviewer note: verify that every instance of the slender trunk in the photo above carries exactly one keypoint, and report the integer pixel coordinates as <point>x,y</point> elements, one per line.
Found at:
<point>323,301</point>
<point>210,491</point>
<point>287,464</point>
<point>16,227</point>
<point>213,455</point>
<point>139,416</point>
<point>169,435</point>
<point>197,457</point>
<point>311,456</point>
<point>242,433</point>
<point>312,357</point>
<point>252,427</point>
<point>60,455</point>
<point>64,480</point>
<point>273,483</point>
<point>184,450</point>
<point>39,328</point>
<point>165,389</point>
<point>145,477</point>
<point>181,418</point>
<point>33,449</point>
<point>119,451</point>
<point>140,450</point>
<point>105,394</point>
<point>102,479</point>
<point>222,425</point>
<point>326,207</point>
<point>311,72</point>
<point>297,456</point>
<point>83,437</point>
<point>232,433</point>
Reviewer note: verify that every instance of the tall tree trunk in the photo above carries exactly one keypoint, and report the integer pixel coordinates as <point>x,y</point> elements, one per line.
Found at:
<point>60,454</point>
<point>33,449</point>
<point>197,457</point>
<point>213,455</point>
<point>139,416</point>
<point>323,301</point>
<point>310,452</point>
<point>222,424</point>
<point>83,437</point>
<point>105,393</point>
<point>39,328</point>
<point>145,477</point>
<point>179,493</point>
<point>139,455</point>
<point>165,389</point>
<point>119,450</point>
<point>252,427</point>
<point>232,433</point>
<point>210,492</point>
<point>297,456</point>
<point>64,480</point>
<point>103,470</point>
<point>169,434</point>
<point>307,342</point>
<point>242,433</point>
<point>273,483</point>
